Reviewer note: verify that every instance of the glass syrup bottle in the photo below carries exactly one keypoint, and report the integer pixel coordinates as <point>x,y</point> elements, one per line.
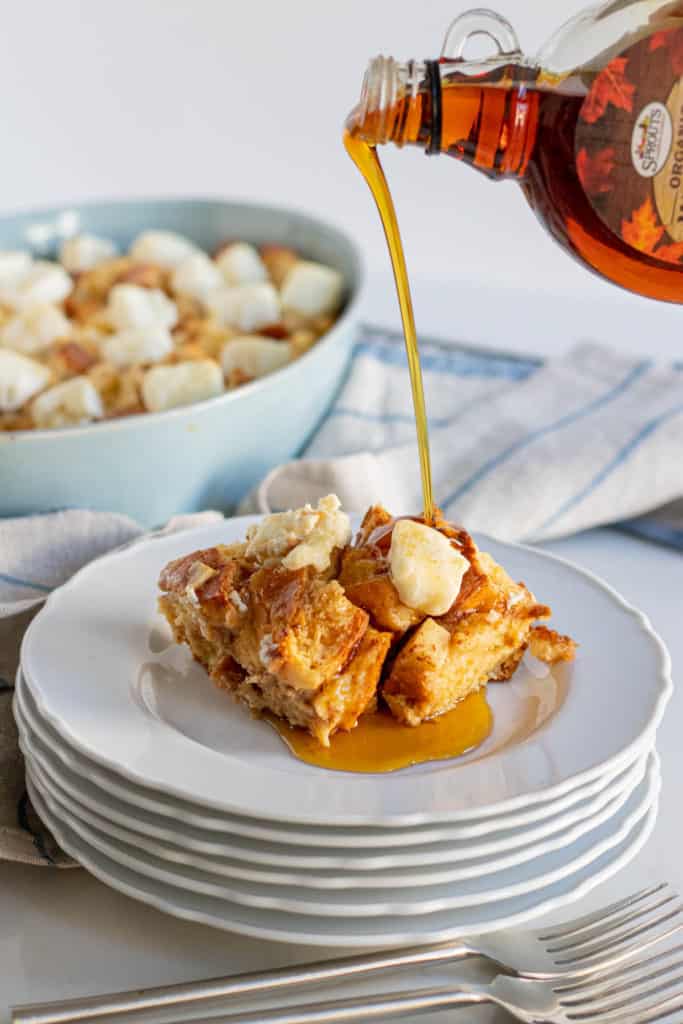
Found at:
<point>591,129</point>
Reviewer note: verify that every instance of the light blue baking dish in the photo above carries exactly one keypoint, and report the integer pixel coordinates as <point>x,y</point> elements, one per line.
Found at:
<point>206,455</point>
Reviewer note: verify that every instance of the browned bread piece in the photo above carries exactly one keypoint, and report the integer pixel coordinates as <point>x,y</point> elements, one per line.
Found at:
<point>447,658</point>
<point>364,575</point>
<point>439,661</point>
<point>335,704</point>
<point>366,579</point>
<point>547,645</point>
<point>300,627</point>
<point>287,641</point>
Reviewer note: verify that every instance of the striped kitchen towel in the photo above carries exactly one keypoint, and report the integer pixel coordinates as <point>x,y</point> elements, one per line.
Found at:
<point>521,449</point>
<point>37,554</point>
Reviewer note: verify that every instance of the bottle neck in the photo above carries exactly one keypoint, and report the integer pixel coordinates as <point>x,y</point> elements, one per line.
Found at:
<point>484,114</point>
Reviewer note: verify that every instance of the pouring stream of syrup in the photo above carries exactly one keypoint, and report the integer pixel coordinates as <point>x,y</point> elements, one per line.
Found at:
<point>366,160</point>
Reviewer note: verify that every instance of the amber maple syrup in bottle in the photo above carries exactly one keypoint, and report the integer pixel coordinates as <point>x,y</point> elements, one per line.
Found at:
<point>591,129</point>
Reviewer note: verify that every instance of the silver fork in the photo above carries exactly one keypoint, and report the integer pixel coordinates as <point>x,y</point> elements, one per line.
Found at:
<point>569,953</point>
<point>632,994</point>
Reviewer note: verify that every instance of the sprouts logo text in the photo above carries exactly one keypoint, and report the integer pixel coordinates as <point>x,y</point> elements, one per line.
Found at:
<point>652,138</point>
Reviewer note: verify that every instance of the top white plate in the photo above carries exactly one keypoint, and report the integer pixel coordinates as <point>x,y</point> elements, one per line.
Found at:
<point>101,666</point>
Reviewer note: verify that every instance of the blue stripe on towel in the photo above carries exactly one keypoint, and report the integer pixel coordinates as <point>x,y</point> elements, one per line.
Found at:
<point>387,417</point>
<point>535,435</point>
<point>622,455</point>
<point>16,582</point>
<point>458,363</point>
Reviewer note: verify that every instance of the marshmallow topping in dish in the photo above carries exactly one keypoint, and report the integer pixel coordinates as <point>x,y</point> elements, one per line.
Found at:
<point>101,335</point>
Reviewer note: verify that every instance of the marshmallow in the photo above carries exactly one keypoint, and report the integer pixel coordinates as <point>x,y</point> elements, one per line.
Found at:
<point>42,281</point>
<point>240,263</point>
<point>425,567</point>
<point>311,290</point>
<point>254,356</point>
<point>129,305</point>
<point>196,276</point>
<point>35,328</point>
<point>165,387</point>
<point>163,247</point>
<point>20,379</point>
<point>83,252</point>
<point>247,307</point>
<point>67,404</point>
<point>137,345</point>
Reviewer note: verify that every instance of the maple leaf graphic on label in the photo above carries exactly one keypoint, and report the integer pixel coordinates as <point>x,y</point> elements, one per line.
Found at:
<point>610,86</point>
<point>644,232</point>
<point>673,41</point>
<point>594,171</point>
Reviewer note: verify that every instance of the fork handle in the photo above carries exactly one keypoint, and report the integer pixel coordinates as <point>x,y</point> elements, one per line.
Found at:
<point>169,997</point>
<point>347,1011</point>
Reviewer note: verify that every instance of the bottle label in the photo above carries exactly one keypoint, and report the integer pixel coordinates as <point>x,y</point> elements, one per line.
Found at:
<point>629,146</point>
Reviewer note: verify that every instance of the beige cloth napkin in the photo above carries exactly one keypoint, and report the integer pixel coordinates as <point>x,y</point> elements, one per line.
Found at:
<point>37,554</point>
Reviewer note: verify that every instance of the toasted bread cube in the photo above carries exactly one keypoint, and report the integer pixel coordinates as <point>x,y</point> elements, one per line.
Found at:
<point>550,646</point>
<point>283,641</point>
<point>278,260</point>
<point>437,668</point>
<point>301,628</point>
<point>365,579</point>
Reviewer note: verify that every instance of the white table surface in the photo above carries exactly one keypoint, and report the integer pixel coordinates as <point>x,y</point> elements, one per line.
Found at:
<point>64,933</point>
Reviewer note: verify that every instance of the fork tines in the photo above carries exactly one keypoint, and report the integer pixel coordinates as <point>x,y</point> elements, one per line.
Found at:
<point>645,991</point>
<point>608,937</point>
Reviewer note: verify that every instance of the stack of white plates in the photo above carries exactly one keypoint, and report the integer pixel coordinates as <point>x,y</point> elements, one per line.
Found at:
<point>166,789</point>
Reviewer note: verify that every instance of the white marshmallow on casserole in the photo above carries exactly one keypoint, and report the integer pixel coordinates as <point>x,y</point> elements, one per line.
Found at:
<point>166,387</point>
<point>253,356</point>
<point>83,252</point>
<point>68,404</point>
<point>166,248</point>
<point>240,263</point>
<point>247,307</point>
<point>196,276</point>
<point>129,305</point>
<point>302,536</point>
<point>20,379</point>
<point>41,282</point>
<point>311,290</point>
<point>137,345</point>
<point>35,328</point>
<point>13,264</point>
<point>425,567</point>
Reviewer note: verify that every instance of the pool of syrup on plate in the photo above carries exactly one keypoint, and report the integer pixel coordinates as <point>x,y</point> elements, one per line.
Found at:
<point>380,743</point>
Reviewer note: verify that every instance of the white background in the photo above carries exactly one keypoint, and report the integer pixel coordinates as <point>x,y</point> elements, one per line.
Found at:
<point>247,99</point>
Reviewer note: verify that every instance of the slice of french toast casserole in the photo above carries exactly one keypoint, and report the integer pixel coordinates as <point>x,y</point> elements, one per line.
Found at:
<point>300,621</point>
